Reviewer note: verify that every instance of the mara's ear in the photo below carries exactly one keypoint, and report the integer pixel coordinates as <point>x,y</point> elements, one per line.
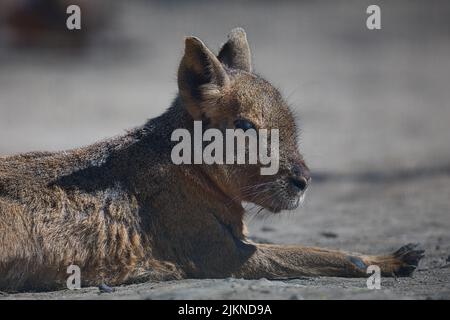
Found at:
<point>199,74</point>
<point>235,53</point>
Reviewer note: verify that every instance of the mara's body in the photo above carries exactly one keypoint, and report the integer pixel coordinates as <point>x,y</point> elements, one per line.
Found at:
<point>118,209</point>
<point>123,212</point>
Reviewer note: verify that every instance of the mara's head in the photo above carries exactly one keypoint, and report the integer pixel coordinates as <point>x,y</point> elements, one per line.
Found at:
<point>223,92</point>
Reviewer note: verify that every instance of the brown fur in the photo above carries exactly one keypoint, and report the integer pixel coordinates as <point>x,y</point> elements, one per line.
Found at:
<point>123,212</point>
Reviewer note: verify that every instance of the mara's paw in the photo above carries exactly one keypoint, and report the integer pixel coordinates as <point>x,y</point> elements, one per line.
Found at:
<point>407,259</point>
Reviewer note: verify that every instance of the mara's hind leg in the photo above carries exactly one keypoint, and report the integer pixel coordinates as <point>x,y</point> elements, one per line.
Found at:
<point>15,245</point>
<point>20,256</point>
<point>277,261</point>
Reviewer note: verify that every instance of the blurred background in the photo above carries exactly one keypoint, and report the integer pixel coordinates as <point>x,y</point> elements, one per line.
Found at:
<point>373,105</point>
<point>365,98</point>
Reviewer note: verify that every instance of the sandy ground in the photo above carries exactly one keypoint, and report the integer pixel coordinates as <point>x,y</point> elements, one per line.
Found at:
<point>374,108</point>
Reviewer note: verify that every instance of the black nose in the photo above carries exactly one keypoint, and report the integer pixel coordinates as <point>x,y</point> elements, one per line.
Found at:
<point>299,183</point>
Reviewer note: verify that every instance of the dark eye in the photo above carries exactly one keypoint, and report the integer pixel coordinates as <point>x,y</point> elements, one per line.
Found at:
<point>243,124</point>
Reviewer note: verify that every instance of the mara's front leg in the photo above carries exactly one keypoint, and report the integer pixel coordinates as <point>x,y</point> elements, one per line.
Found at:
<point>277,261</point>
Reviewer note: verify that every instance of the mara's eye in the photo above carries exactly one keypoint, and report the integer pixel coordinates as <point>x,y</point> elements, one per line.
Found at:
<point>243,124</point>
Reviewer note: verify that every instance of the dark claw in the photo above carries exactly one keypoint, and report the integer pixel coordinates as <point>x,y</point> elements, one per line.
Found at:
<point>410,258</point>
<point>406,248</point>
<point>405,271</point>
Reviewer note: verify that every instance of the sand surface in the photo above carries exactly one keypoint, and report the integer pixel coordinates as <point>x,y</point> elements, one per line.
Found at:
<point>374,108</point>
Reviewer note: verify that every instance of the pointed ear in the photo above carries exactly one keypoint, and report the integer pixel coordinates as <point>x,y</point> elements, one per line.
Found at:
<point>235,53</point>
<point>199,71</point>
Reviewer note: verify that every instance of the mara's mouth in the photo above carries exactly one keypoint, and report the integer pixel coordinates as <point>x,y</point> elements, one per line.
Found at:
<point>274,196</point>
<point>278,204</point>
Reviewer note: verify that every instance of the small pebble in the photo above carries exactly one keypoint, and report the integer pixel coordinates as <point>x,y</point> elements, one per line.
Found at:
<point>327,234</point>
<point>105,288</point>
